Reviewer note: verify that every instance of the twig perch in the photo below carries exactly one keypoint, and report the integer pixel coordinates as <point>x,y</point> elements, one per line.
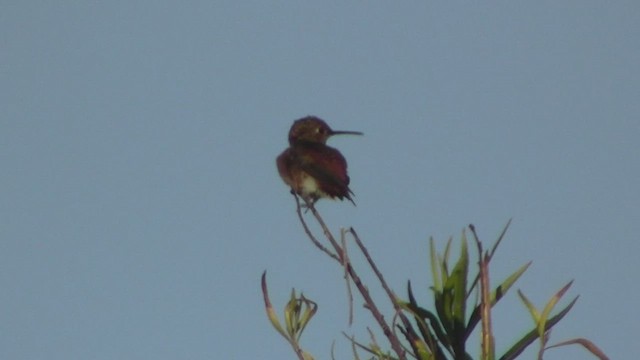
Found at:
<point>340,257</point>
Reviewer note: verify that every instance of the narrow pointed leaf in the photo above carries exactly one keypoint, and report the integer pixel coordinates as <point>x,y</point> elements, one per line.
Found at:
<point>496,295</point>
<point>438,300</point>
<point>290,317</point>
<point>491,253</point>
<point>310,309</point>
<point>495,246</point>
<point>591,347</point>
<point>421,316</point>
<point>551,304</point>
<point>532,335</point>
<point>502,289</point>
<point>435,273</point>
<point>422,350</point>
<point>445,259</point>
<point>457,284</point>
<point>271,314</point>
<point>420,321</point>
<point>535,315</point>
<point>444,270</point>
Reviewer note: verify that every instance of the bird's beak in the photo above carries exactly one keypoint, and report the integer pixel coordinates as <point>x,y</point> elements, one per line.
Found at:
<point>345,133</point>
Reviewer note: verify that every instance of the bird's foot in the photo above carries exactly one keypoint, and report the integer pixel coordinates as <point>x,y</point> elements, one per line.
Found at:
<point>308,203</point>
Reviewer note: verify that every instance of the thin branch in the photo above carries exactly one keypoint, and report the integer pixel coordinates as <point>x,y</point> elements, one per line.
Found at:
<point>394,300</point>
<point>488,344</point>
<point>341,258</point>
<point>490,255</point>
<point>325,229</point>
<point>343,242</point>
<point>315,241</point>
<point>373,265</point>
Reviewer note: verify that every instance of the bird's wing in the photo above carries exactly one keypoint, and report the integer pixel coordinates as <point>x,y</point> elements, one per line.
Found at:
<point>329,167</point>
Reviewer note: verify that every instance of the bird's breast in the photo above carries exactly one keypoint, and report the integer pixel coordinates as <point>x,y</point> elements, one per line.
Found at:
<point>309,186</point>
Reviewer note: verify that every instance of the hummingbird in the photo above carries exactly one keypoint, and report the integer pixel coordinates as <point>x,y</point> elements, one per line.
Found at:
<point>312,169</point>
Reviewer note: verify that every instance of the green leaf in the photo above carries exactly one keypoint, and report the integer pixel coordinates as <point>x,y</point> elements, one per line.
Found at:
<point>532,309</point>
<point>502,289</point>
<point>422,350</point>
<point>439,299</point>
<point>458,282</point>
<point>435,273</point>
<point>271,313</point>
<point>291,313</point>
<point>532,335</point>
<point>550,305</point>
<point>445,261</point>
<point>310,309</point>
<point>455,299</point>
<point>421,317</point>
<point>497,294</point>
<point>495,246</point>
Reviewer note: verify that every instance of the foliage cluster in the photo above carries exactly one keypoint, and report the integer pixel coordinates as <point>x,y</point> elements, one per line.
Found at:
<point>462,300</point>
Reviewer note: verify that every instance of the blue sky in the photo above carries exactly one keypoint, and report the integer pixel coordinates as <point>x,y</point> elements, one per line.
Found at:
<point>140,200</point>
